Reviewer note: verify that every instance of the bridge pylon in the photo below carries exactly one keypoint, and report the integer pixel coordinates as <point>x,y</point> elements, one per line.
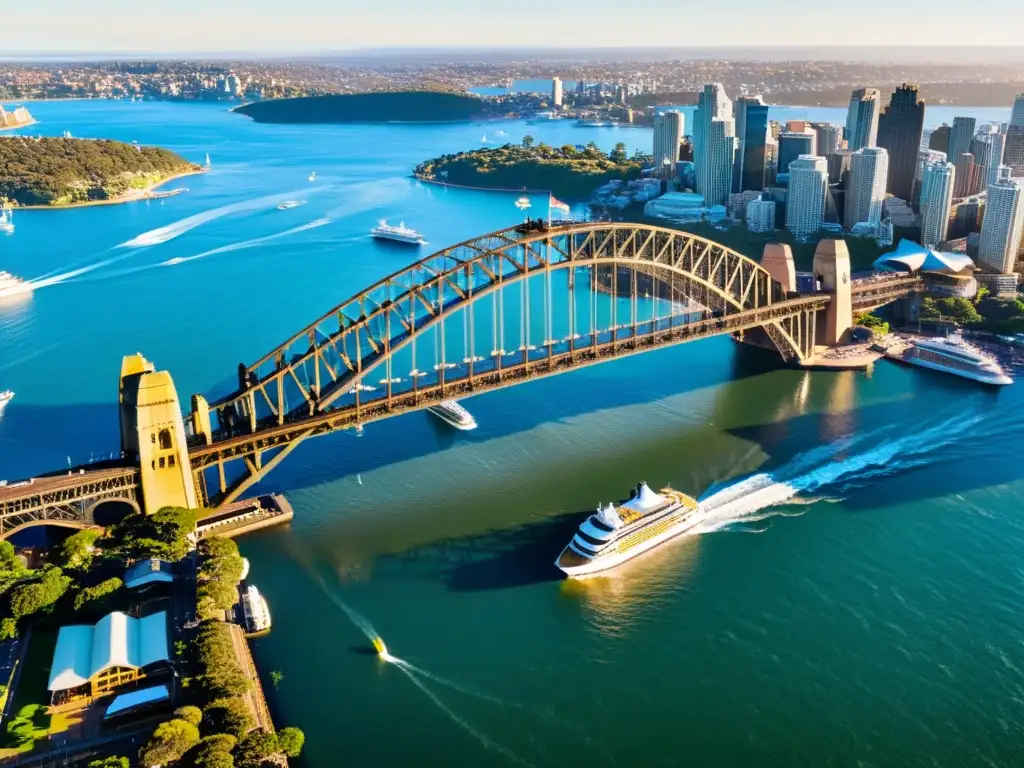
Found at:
<point>777,259</point>
<point>153,434</point>
<point>832,268</point>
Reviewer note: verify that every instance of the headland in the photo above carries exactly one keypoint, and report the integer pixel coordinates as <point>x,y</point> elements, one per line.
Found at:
<point>372,107</point>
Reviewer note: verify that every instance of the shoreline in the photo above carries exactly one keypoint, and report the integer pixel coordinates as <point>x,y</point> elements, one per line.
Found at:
<point>504,190</point>
<point>143,194</point>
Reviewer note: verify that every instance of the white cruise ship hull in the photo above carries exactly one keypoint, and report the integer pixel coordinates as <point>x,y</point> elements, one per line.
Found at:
<point>413,240</point>
<point>606,562</point>
<point>992,379</point>
<point>451,419</point>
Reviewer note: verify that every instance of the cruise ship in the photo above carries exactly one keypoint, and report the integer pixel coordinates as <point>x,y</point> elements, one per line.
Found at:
<point>452,413</point>
<point>11,285</point>
<point>5,397</point>
<point>613,535</point>
<point>401,233</point>
<point>954,355</point>
<point>255,611</point>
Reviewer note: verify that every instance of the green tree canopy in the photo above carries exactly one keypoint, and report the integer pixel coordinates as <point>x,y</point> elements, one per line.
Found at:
<point>111,762</point>
<point>254,748</point>
<point>169,742</point>
<point>163,534</point>
<point>76,551</point>
<point>527,141</point>
<point>215,751</point>
<point>189,714</point>
<point>229,715</point>
<point>291,740</point>
<point>36,596</point>
<point>97,592</point>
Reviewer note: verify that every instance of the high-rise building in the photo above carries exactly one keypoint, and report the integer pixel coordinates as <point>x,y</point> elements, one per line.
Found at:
<point>865,186</point>
<point>967,176</point>
<point>862,119</point>
<point>794,144</point>
<point>900,129</point>
<point>808,188</point>
<point>967,215</point>
<point>1013,149</point>
<point>556,91</point>
<point>839,166</point>
<point>1017,116</point>
<point>924,157</point>
<point>960,137</point>
<point>711,143</point>
<point>997,148</point>
<point>829,138</point>
<point>1003,224</point>
<point>668,135</point>
<point>753,136</point>
<point>761,215</point>
<point>939,140</point>
<point>936,201</point>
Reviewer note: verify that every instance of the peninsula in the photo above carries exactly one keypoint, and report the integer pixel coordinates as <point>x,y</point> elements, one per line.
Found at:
<point>17,118</point>
<point>372,107</point>
<point>568,171</point>
<point>52,172</point>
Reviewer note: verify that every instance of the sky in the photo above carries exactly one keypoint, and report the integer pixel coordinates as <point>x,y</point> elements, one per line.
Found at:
<point>296,26</point>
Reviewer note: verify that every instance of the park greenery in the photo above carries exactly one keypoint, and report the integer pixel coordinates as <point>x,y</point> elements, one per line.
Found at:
<point>169,742</point>
<point>55,171</point>
<point>220,568</point>
<point>878,326</point>
<point>984,313</point>
<point>567,171</point>
<point>221,674</point>
<point>163,534</point>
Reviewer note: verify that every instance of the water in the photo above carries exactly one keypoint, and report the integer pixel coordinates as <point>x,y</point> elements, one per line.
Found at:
<point>853,600</point>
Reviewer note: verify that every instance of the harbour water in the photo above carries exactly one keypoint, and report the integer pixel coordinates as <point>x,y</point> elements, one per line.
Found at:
<point>855,600</point>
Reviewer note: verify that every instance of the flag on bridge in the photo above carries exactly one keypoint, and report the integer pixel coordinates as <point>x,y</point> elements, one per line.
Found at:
<point>557,205</point>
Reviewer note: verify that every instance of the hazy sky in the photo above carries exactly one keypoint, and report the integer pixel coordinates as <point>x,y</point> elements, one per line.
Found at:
<point>162,26</point>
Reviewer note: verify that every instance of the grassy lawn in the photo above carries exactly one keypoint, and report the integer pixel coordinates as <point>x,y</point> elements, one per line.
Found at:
<point>30,722</point>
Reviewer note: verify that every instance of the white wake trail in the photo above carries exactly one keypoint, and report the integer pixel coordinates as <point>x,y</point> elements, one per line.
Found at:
<point>247,243</point>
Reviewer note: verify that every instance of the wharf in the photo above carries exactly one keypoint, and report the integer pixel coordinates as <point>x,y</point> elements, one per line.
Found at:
<point>246,516</point>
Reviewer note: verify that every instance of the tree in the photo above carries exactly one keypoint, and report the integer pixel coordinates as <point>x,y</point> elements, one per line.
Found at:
<point>290,740</point>
<point>169,742</point>
<point>163,534</point>
<point>27,599</point>
<point>111,762</point>
<point>8,628</point>
<point>215,751</point>
<point>229,715</point>
<point>618,154</point>
<point>104,588</point>
<point>76,551</point>
<point>254,748</point>
<point>527,141</point>
<point>189,714</point>
<point>276,676</point>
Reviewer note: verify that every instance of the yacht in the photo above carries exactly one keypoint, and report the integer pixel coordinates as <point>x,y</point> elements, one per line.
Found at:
<point>312,176</point>
<point>453,414</point>
<point>5,397</point>
<point>613,535</point>
<point>290,204</point>
<point>6,221</point>
<point>11,285</point>
<point>954,355</point>
<point>401,233</point>
<point>255,611</point>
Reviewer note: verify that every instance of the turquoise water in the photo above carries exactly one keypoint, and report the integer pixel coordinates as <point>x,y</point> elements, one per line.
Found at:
<point>857,604</point>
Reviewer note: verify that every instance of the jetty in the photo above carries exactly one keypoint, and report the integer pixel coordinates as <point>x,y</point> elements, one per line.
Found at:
<point>246,516</point>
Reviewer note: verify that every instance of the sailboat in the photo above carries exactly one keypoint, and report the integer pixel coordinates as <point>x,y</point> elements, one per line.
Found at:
<point>483,139</point>
<point>6,221</point>
<point>207,159</point>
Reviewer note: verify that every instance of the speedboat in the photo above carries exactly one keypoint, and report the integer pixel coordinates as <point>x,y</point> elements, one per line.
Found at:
<point>453,414</point>
<point>5,397</point>
<point>11,285</point>
<point>312,176</point>
<point>290,204</point>
<point>615,534</point>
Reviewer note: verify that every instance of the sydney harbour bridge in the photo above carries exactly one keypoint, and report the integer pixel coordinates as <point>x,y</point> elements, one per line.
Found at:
<point>508,307</point>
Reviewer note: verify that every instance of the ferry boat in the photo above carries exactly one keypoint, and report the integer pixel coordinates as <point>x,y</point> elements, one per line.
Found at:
<point>453,414</point>
<point>401,233</point>
<point>6,221</point>
<point>11,285</point>
<point>290,204</point>
<point>954,355</point>
<point>255,611</point>
<point>5,397</point>
<point>613,535</point>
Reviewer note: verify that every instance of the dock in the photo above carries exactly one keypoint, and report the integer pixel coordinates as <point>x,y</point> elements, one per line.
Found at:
<point>246,516</point>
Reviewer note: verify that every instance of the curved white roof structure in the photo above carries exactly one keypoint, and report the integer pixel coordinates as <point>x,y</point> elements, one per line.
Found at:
<point>644,500</point>
<point>911,257</point>
<point>116,640</point>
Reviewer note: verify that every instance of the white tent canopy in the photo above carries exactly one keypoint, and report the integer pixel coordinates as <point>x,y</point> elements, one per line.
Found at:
<point>644,500</point>
<point>116,640</point>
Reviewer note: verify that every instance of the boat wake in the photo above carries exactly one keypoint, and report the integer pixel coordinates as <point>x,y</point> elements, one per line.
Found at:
<point>825,473</point>
<point>247,243</point>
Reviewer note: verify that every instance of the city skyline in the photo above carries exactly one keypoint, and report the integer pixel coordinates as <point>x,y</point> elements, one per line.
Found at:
<point>63,26</point>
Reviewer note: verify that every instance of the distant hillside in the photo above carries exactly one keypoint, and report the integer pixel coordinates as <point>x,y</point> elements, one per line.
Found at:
<point>375,107</point>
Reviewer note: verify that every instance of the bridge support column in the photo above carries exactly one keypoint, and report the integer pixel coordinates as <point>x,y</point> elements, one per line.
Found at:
<point>153,433</point>
<point>832,267</point>
<point>777,259</point>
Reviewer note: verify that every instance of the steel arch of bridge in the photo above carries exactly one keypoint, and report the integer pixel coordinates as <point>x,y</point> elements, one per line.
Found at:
<point>335,352</point>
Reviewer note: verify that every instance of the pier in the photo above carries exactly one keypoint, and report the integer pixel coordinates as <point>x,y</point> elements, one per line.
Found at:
<point>246,516</point>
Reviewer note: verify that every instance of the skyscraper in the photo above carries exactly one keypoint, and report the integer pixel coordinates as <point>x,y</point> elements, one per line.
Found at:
<point>556,91</point>
<point>710,143</point>
<point>960,137</point>
<point>829,138</point>
<point>668,135</point>
<point>924,157</point>
<point>966,176</point>
<point>808,188</point>
<point>839,166</point>
<point>862,119</point>
<point>794,144</point>
<point>1003,223</point>
<point>761,215</point>
<point>900,129</point>
<point>865,187</point>
<point>1017,116</point>
<point>936,200</point>
<point>752,134</point>
<point>997,149</point>
<point>1013,151</point>
<point>939,140</point>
